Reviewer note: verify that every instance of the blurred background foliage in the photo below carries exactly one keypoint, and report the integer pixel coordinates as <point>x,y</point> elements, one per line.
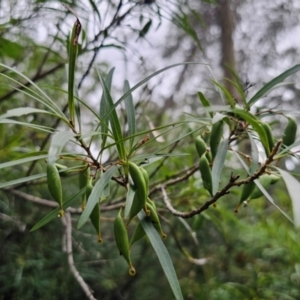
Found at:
<point>219,254</point>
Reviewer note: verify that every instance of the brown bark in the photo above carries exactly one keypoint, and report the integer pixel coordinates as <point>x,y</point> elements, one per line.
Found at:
<point>226,21</point>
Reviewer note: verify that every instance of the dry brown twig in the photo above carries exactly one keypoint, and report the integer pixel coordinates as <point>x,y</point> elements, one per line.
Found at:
<point>225,190</point>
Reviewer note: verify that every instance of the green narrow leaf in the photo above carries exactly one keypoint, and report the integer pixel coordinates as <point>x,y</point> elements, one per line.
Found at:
<point>130,111</point>
<point>21,111</point>
<point>42,97</point>
<point>254,155</point>
<point>147,79</point>
<point>256,124</point>
<point>96,194</point>
<point>24,124</point>
<point>226,93</point>
<point>267,87</point>
<point>58,141</point>
<point>293,187</point>
<point>204,102</point>
<point>218,165</point>
<point>21,180</point>
<point>22,161</point>
<point>113,119</point>
<point>54,214</point>
<point>162,254</point>
<point>145,29</point>
<point>103,109</point>
<point>129,200</point>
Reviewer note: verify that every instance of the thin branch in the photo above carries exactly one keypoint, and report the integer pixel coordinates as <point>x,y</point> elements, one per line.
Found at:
<point>68,226</point>
<point>41,201</point>
<point>225,190</point>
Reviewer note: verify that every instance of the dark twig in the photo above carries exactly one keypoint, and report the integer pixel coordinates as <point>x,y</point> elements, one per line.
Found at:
<point>225,190</point>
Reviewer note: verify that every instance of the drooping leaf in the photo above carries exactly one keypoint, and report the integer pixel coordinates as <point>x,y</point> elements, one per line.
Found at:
<point>130,111</point>
<point>218,165</point>
<point>58,141</point>
<point>267,87</point>
<point>254,155</point>
<point>129,200</point>
<point>162,254</point>
<point>96,194</point>
<point>54,214</point>
<point>293,187</point>
<point>113,119</point>
<point>103,109</point>
<point>21,111</point>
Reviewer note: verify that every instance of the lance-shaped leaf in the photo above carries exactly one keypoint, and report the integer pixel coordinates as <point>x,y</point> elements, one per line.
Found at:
<point>130,111</point>
<point>162,254</point>
<point>58,141</point>
<point>103,109</point>
<point>267,87</point>
<point>52,215</point>
<point>218,165</point>
<point>293,187</point>
<point>256,124</point>
<point>96,193</point>
<point>113,119</point>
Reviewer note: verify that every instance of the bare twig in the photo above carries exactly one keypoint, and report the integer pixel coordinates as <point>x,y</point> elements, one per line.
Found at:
<point>68,226</point>
<point>41,201</point>
<point>225,190</point>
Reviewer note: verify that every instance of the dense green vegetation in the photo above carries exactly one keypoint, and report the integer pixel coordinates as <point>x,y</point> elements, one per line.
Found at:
<point>77,151</point>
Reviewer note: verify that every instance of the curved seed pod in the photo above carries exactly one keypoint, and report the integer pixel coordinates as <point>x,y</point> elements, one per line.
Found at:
<point>54,186</point>
<point>265,180</point>
<point>136,206</point>
<point>146,178</point>
<point>138,234</point>
<point>290,132</point>
<point>200,145</point>
<point>63,172</point>
<point>246,192</point>
<point>150,202</point>
<point>270,137</point>
<point>84,178</point>
<point>122,242</point>
<point>139,182</point>
<point>155,220</point>
<point>215,137</point>
<point>205,173</point>
<point>95,214</point>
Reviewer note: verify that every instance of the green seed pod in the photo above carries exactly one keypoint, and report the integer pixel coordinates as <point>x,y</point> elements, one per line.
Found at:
<point>139,182</point>
<point>265,180</point>
<point>290,132</point>
<point>247,191</point>
<point>150,202</point>
<point>200,145</point>
<point>95,215</point>
<point>84,178</point>
<point>63,172</point>
<point>146,178</point>
<point>270,137</point>
<point>215,137</point>
<point>138,234</point>
<point>155,220</point>
<point>205,173</point>
<point>136,206</point>
<point>122,242</point>
<point>54,185</point>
